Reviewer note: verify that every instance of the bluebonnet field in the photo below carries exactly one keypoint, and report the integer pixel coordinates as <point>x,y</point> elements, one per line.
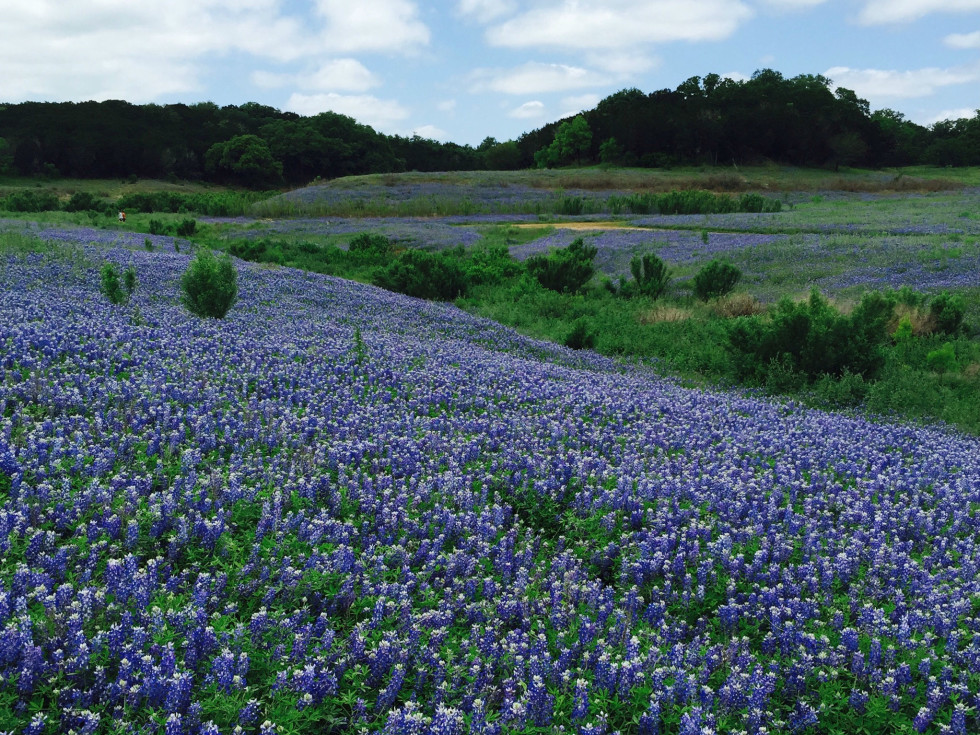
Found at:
<point>340,509</point>
<point>842,243</point>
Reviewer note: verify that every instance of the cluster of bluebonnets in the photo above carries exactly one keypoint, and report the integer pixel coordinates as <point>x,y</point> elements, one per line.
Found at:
<point>432,234</point>
<point>340,509</point>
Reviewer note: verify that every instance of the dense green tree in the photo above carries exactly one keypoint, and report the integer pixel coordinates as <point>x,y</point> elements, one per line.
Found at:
<point>245,159</point>
<point>572,142</point>
<point>6,157</point>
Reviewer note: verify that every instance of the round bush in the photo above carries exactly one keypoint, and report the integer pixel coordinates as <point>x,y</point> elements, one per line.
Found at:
<point>210,285</point>
<point>715,279</point>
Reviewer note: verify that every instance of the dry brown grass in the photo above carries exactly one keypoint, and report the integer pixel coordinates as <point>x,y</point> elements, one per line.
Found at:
<point>896,183</point>
<point>664,313</point>
<point>972,370</point>
<point>921,320</point>
<point>738,304</point>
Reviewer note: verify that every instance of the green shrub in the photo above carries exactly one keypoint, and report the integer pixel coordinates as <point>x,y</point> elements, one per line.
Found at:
<point>570,205</point>
<point>565,270</point>
<point>650,274</point>
<point>946,311</point>
<point>908,296</point>
<point>812,339</point>
<point>716,279</point>
<point>29,201</point>
<point>632,203</point>
<point>490,265</point>
<point>371,248</point>
<point>752,202</point>
<point>943,360</point>
<point>581,337</point>
<point>129,280</point>
<point>845,391</point>
<point>423,275</point>
<point>695,202</point>
<point>83,201</point>
<point>157,227</point>
<point>111,285</point>
<point>186,227</point>
<point>209,285</point>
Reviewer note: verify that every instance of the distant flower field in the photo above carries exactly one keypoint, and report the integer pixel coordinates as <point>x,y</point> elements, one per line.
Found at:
<point>340,509</point>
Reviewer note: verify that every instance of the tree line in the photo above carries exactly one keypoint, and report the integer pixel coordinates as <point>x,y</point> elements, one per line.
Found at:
<point>712,120</point>
<point>802,121</point>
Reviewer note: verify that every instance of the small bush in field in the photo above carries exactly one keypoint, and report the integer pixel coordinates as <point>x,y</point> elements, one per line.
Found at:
<point>371,247</point>
<point>186,227</point>
<point>209,285</point>
<point>565,270</point>
<point>111,285</point>
<point>716,279</point>
<point>651,274</point>
<point>82,201</point>
<point>157,227</point>
<point>943,360</point>
<point>423,275</point>
<point>581,337</point>
<point>812,339</point>
<point>490,264</point>
<point>129,280</point>
<point>947,312</point>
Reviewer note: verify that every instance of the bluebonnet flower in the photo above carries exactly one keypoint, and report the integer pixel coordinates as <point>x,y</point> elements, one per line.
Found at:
<point>580,706</point>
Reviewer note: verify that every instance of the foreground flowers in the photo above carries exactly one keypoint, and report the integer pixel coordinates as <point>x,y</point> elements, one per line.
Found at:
<point>341,508</point>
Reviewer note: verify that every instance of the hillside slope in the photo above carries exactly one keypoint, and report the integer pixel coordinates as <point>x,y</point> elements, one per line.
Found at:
<point>341,506</point>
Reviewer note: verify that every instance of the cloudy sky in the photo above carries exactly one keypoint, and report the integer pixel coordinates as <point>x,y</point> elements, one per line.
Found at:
<point>462,70</point>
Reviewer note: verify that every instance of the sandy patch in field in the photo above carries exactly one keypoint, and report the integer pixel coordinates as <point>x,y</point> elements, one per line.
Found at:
<point>579,226</point>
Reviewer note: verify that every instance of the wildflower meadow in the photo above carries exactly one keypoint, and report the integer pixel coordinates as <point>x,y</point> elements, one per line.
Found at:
<point>339,509</point>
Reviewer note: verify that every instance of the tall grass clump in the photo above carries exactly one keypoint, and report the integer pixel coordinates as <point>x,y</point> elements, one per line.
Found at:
<point>209,285</point>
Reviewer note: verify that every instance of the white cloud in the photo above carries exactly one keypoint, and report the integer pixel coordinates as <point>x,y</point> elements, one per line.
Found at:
<point>900,11</point>
<point>529,110</point>
<point>430,132</point>
<point>958,114</point>
<point>341,74</point>
<point>581,102</point>
<point>622,64</point>
<point>876,84</point>
<point>379,114</point>
<point>614,24</point>
<point>336,75</point>
<point>446,106</point>
<point>135,51</point>
<point>735,76</point>
<point>485,10</point>
<point>372,25</point>
<point>963,40</point>
<point>533,77</point>
<point>795,4</point>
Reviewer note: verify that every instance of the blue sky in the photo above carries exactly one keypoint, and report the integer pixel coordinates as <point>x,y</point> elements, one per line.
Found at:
<point>462,70</point>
